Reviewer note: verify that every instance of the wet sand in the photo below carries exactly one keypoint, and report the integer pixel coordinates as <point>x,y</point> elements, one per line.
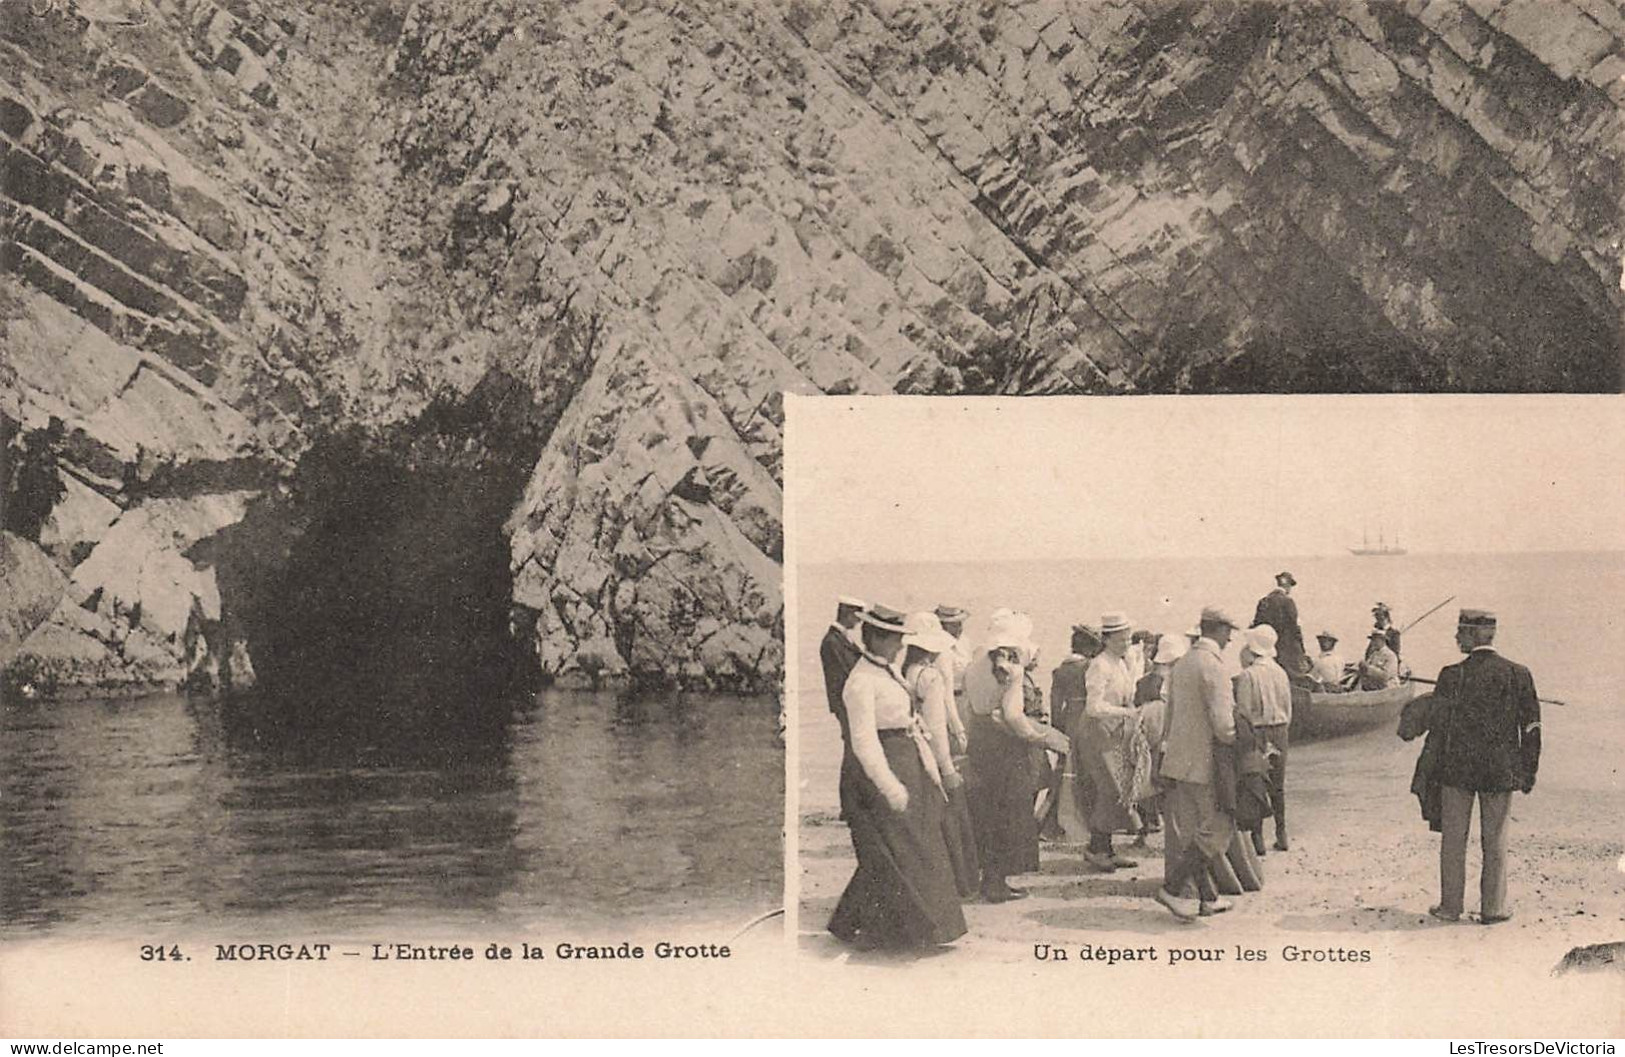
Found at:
<point>1361,874</point>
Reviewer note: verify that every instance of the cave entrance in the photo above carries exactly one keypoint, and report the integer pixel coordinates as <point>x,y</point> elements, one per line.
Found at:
<point>373,588</point>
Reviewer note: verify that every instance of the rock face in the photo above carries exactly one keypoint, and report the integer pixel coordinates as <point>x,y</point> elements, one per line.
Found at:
<point>33,586</point>
<point>231,230</point>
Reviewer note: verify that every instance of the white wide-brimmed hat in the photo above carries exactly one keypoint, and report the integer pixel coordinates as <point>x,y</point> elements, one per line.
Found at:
<point>925,631</point>
<point>1170,648</point>
<point>1011,630</point>
<point>1261,640</point>
<point>1114,621</point>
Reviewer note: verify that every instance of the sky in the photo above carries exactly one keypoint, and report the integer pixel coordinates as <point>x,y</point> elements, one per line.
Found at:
<point>955,479</point>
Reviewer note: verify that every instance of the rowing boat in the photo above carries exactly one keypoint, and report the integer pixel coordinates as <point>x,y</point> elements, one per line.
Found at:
<point>1328,715</point>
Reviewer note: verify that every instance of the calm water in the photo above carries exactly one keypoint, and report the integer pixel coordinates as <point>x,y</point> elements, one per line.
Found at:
<point>1559,613</point>
<point>165,812</point>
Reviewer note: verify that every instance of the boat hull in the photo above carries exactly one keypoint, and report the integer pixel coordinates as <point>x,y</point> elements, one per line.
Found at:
<point>1320,715</point>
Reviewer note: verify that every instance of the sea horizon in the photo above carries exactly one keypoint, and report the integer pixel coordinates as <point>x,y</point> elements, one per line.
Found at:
<point>1409,552</point>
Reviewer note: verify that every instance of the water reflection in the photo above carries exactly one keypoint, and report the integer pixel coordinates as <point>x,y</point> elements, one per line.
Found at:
<point>164,810</point>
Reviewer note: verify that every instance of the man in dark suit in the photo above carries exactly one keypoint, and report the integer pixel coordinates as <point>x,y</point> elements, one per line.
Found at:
<point>1490,721</point>
<point>1279,611</point>
<point>839,652</point>
<point>1066,695</point>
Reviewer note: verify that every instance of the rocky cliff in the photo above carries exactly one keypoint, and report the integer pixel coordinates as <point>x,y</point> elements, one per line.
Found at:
<point>574,252</point>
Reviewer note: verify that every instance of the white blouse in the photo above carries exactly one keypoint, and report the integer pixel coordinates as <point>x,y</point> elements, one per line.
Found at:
<point>876,699</point>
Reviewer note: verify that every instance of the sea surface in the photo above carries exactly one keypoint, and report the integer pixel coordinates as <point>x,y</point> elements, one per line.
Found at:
<point>160,814</point>
<point>1560,614</point>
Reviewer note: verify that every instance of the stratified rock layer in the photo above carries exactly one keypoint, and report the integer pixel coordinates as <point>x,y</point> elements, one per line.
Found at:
<point>228,229</point>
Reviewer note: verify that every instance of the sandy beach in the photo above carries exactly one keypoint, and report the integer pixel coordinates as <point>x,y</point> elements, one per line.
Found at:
<point>1360,876</point>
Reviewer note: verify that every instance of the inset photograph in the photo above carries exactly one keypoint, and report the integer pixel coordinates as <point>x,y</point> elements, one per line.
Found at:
<point>1326,678</point>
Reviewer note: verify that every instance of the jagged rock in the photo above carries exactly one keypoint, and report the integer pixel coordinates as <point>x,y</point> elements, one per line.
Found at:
<point>77,522</point>
<point>136,610</point>
<point>81,651</point>
<point>619,477</point>
<point>30,587</point>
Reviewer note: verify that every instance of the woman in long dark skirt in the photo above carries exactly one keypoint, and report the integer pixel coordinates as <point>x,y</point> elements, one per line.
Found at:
<point>902,893</point>
<point>1003,779</point>
<point>933,698</point>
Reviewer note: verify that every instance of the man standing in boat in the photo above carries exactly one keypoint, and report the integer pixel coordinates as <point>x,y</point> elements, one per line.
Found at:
<point>1490,719</point>
<point>1279,611</point>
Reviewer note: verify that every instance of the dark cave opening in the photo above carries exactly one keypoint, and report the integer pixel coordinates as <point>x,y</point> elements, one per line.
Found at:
<point>372,588</point>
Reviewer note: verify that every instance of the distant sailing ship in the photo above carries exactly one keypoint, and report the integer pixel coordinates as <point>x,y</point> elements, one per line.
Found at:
<point>1382,548</point>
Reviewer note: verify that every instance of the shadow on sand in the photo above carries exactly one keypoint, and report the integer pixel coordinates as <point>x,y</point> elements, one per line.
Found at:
<point>1366,919</point>
<point>1151,918</point>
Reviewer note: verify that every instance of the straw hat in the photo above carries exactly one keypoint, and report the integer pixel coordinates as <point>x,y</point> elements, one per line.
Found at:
<point>925,631</point>
<point>1326,636</point>
<point>1169,649</point>
<point>1476,618</point>
<point>1261,640</point>
<point>851,602</point>
<point>1089,633</point>
<point>1216,615</point>
<point>884,618</point>
<point>1114,621</point>
<point>952,614</point>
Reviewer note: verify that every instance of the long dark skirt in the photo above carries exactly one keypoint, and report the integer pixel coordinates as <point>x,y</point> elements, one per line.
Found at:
<point>960,835</point>
<point>1001,785</point>
<point>902,893</point>
<point>1098,748</point>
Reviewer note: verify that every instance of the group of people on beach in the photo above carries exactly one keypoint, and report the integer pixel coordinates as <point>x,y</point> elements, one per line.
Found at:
<point>955,765</point>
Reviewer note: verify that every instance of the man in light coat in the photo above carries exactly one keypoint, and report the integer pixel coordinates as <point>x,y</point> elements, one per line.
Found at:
<point>1201,711</point>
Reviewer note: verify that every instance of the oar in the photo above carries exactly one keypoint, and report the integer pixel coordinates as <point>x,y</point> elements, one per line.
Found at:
<point>1435,682</point>
<point>1429,613</point>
